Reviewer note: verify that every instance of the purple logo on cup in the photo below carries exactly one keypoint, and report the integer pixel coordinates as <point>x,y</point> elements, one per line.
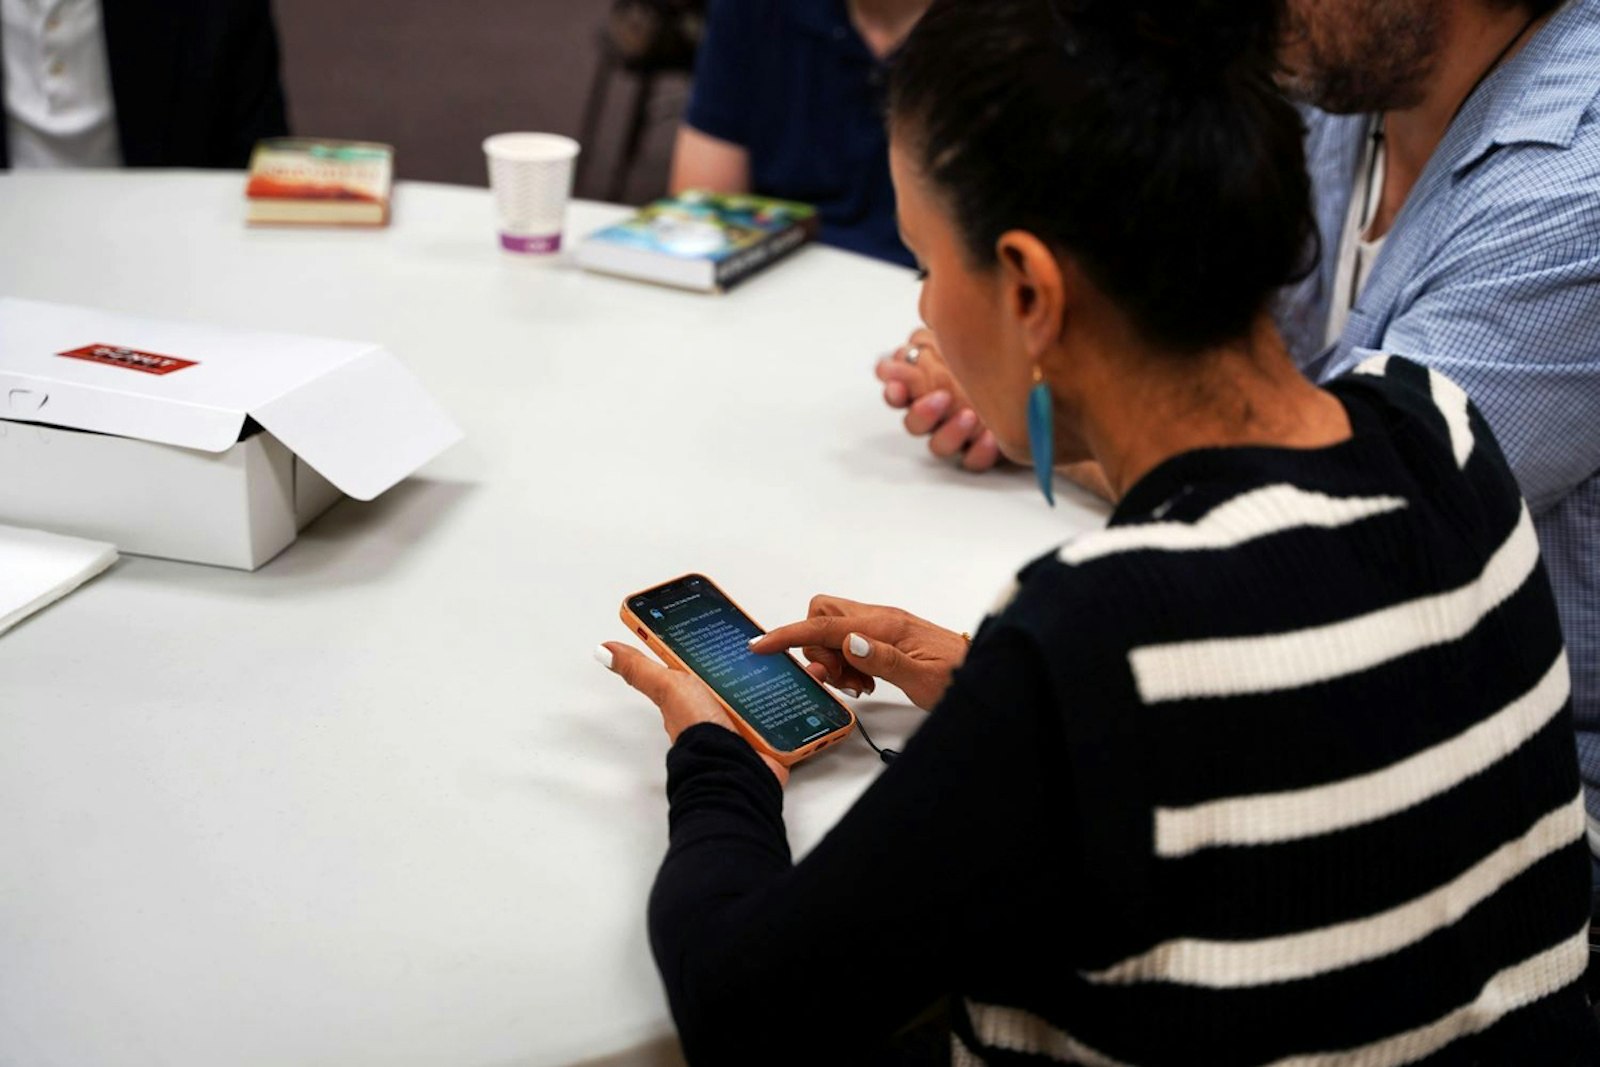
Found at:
<point>531,245</point>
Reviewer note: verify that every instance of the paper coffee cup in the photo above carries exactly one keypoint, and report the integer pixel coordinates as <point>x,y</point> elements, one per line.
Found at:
<point>531,176</point>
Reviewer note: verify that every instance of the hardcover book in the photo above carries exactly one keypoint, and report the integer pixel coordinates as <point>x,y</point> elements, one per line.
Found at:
<point>294,181</point>
<point>704,241</point>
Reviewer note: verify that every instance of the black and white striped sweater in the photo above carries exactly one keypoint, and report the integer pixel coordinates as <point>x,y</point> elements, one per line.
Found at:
<point>1276,769</point>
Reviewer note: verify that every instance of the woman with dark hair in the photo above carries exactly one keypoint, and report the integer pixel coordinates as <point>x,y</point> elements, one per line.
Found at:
<point>1277,768</point>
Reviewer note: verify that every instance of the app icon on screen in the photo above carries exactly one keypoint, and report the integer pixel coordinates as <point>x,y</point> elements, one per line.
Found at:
<point>656,613</point>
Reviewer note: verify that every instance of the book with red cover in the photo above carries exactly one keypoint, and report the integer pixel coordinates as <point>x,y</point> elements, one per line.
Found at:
<point>302,182</point>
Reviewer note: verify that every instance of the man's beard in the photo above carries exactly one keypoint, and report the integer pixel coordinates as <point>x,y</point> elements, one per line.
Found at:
<point>1354,56</point>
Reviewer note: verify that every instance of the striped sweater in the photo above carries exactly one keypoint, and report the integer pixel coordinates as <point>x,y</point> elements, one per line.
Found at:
<point>1276,769</point>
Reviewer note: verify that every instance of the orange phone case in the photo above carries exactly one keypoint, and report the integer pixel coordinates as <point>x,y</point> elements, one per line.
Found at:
<point>748,732</point>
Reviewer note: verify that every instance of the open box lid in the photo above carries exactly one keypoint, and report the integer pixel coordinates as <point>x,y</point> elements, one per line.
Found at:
<point>352,411</point>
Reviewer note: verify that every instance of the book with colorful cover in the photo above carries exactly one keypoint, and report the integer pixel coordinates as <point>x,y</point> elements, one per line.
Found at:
<point>697,240</point>
<point>304,182</point>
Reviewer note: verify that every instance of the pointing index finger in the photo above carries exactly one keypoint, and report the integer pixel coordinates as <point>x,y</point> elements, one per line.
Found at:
<point>825,631</point>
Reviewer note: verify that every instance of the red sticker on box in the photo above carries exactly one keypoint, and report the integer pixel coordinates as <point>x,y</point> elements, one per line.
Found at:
<point>129,359</point>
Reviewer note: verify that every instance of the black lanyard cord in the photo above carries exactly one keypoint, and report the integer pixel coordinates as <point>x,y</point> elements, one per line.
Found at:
<point>1375,146</point>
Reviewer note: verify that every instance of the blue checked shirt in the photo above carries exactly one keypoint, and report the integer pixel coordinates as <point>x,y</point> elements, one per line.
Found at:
<point>1491,275</point>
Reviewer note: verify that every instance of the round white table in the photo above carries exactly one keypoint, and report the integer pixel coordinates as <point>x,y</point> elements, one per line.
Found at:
<point>376,803</point>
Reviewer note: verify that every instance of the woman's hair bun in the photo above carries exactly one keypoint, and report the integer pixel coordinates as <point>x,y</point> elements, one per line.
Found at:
<point>1195,34</point>
<point>1148,140</point>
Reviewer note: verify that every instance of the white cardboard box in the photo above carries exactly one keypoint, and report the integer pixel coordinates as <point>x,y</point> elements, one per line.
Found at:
<point>192,442</point>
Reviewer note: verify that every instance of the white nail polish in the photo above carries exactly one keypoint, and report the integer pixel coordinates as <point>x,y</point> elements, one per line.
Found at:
<point>858,645</point>
<point>851,693</point>
<point>603,656</point>
<point>753,640</point>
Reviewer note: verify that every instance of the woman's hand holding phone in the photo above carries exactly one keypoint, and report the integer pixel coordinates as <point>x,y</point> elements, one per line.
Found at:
<point>683,699</point>
<point>850,644</point>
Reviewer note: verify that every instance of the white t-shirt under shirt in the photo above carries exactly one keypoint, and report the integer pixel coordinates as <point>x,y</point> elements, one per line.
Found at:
<point>1357,252</point>
<point>59,110</point>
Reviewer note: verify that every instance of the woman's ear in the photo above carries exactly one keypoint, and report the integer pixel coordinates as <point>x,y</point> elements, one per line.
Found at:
<point>1033,290</point>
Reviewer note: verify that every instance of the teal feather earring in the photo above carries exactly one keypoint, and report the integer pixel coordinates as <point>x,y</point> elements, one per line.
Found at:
<point>1042,434</point>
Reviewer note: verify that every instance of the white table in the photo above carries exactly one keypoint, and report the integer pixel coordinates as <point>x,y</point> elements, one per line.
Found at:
<point>376,804</point>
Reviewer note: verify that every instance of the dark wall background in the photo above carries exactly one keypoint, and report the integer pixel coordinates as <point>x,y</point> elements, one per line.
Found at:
<point>435,77</point>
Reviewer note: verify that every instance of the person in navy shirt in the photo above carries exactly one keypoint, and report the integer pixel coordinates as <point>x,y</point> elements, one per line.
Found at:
<point>788,101</point>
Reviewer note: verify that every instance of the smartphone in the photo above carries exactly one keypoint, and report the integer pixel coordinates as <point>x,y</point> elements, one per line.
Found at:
<point>692,625</point>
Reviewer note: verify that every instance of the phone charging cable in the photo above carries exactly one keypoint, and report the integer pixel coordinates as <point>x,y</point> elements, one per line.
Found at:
<point>888,755</point>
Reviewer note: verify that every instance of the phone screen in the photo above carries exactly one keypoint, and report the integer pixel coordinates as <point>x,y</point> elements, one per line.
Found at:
<point>783,703</point>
